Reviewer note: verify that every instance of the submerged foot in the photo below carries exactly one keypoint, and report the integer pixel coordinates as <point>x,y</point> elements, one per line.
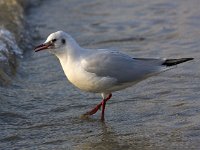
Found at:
<point>93,111</point>
<point>98,107</point>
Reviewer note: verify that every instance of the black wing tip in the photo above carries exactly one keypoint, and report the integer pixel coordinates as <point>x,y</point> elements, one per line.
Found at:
<point>172,62</point>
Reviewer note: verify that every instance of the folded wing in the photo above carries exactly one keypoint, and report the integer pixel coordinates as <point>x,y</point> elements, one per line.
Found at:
<point>120,66</point>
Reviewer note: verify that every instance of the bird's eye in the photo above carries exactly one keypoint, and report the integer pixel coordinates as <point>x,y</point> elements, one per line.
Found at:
<point>63,41</point>
<point>54,40</point>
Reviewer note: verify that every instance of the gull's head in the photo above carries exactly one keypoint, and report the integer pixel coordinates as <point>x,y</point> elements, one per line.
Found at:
<point>57,43</point>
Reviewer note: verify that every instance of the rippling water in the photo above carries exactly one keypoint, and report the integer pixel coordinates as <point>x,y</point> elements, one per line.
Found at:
<point>41,109</point>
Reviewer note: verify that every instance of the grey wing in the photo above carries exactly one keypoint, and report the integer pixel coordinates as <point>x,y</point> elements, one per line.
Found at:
<point>120,66</point>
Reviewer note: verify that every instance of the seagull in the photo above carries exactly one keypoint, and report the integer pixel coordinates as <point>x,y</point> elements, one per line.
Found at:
<point>102,70</point>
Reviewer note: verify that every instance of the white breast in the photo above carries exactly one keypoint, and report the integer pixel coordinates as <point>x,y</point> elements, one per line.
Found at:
<point>84,80</point>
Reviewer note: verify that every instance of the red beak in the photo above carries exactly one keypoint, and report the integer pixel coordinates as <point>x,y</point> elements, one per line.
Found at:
<point>43,46</point>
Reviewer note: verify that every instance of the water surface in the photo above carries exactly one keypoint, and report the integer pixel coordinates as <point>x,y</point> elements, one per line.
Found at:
<point>41,109</point>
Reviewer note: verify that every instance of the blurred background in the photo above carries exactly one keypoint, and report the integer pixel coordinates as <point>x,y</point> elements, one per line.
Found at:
<point>40,109</point>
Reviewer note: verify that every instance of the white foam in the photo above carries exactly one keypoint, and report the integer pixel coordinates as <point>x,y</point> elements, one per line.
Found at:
<point>8,45</point>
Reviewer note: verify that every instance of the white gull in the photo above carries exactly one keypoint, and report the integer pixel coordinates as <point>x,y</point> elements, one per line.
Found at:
<point>102,70</point>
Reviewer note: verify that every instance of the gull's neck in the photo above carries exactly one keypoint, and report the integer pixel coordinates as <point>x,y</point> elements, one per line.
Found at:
<point>69,58</point>
<point>70,53</point>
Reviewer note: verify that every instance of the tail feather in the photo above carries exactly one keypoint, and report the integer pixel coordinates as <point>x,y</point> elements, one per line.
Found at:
<point>172,62</point>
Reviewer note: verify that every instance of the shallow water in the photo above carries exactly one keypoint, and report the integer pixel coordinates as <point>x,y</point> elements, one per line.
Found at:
<point>41,109</point>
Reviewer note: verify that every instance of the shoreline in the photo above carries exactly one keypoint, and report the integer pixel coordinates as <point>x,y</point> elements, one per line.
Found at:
<point>14,36</point>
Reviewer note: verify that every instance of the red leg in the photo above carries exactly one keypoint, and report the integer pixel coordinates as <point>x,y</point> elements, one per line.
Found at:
<point>103,109</point>
<point>94,110</point>
<point>104,105</point>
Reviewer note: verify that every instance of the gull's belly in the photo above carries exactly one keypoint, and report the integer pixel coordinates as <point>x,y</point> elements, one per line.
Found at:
<point>89,81</point>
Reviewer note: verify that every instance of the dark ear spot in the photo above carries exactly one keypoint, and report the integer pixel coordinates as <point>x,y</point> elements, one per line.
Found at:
<point>63,41</point>
<point>54,40</point>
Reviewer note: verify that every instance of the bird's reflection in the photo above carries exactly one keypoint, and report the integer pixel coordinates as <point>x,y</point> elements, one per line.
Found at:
<point>108,139</point>
<point>105,140</point>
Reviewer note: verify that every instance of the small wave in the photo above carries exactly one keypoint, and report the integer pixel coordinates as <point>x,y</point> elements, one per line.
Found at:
<point>10,116</point>
<point>128,39</point>
<point>11,138</point>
